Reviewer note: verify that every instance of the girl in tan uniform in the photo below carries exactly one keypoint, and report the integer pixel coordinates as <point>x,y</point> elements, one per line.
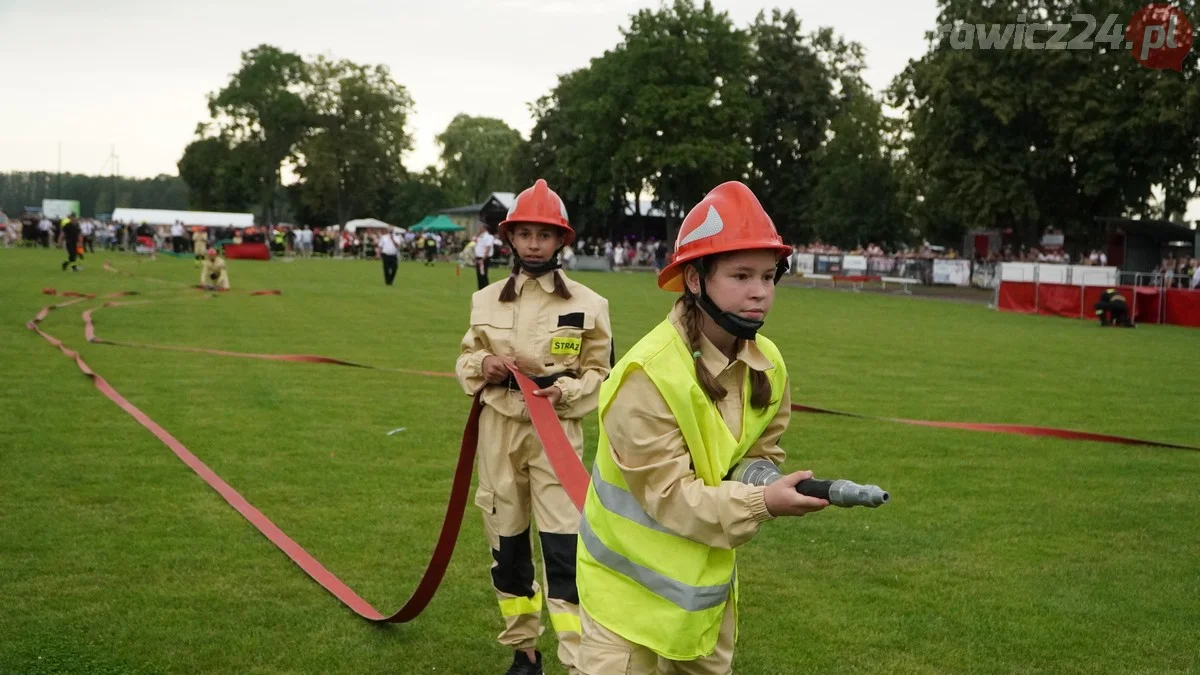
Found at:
<point>199,242</point>
<point>213,275</point>
<point>557,332</point>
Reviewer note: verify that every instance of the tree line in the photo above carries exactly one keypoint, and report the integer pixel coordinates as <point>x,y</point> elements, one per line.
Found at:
<point>96,195</point>
<point>1011,139</point>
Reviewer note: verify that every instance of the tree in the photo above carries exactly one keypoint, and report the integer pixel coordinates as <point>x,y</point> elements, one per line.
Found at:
<point>855,200</point>
<point>220,176</point>
<point>95,193</point>
<point>972,125</point>
<point>686,101</point>
<point>263,109</point>
<point>418,195</point>
<point>576,145</point>
<point>343,125</point>
<point>685,67</point>
<point>1023,139</point>
<point>477,154</point>
<point>1126,129</point>
<point>792,89</point>
<point>352,154</point>
<point>663,113</point>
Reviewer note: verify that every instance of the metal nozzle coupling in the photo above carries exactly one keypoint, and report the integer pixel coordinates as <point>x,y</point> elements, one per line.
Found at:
<point>756,472</point>
<point>846,494</point>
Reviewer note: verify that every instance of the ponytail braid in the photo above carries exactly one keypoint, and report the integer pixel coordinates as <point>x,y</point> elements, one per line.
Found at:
<point>509,293</point>
<point>691,321</point>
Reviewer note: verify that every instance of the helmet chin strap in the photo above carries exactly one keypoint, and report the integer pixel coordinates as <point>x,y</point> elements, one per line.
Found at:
<point>744,329</point>
<point>538,269</point>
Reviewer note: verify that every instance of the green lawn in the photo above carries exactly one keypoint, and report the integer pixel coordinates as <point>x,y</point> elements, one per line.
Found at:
<point>997,554</point>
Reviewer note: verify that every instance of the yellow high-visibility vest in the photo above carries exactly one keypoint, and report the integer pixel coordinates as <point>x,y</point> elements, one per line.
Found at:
<point>635,576</point>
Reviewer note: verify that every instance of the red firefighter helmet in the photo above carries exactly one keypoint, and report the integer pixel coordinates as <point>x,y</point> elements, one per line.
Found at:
<point>729,218</point>
<point>539,204</point>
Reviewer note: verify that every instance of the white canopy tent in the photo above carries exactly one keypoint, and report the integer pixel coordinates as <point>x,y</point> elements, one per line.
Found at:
<point>366,224</point>
<point>188,218</point>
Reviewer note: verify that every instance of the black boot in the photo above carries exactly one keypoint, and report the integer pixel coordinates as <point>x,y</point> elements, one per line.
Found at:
<point>522,666</point>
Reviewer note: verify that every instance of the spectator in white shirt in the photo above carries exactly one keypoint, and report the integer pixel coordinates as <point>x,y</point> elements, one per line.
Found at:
<point>178,241</point>
<point>88,231</point>
<point>483,255</point>
<point>45,228</point>
<point>304,241</point>
<point>389,253</point>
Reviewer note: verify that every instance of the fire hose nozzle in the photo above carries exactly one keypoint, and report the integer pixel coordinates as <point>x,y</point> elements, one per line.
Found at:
<point>844,493</point>
<point>841,493</point>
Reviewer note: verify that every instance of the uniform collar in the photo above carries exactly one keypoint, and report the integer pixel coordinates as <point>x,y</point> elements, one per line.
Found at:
<point>546,281</point>
<point>712,358</point>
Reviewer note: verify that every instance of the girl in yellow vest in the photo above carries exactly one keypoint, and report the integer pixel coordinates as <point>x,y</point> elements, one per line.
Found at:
<point>695,397</point>
<point>557,332</point>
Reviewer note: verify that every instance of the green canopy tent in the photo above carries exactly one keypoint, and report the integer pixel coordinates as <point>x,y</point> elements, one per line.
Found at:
<point>419,227</point>
<point>438,223</point>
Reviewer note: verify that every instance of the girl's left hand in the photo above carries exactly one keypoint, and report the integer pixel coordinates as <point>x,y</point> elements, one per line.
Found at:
<point>552,393</point>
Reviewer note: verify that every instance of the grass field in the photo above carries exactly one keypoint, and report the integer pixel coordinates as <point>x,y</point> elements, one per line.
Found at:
<point>997,554</point>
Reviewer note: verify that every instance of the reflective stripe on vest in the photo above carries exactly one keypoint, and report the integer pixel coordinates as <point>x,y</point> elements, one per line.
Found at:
<point>620,502</point>
<point>683,596</point>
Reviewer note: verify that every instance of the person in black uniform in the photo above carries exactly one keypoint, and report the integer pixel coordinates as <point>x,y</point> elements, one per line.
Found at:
<point>70,238</point>
<point>1112,310</point>
<point>431,247</point>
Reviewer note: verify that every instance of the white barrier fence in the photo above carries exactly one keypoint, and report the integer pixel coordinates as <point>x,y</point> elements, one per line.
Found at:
<point>1068,275</point>
<point>893,269</point>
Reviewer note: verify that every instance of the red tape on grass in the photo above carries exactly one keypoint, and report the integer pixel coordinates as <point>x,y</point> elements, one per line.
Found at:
<point>1019,429</point>
<point>546,424</point>
<point>88,296</point>
<point>89,329</point>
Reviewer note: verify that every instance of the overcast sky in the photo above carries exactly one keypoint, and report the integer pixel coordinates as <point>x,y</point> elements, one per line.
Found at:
<point>93,74</point>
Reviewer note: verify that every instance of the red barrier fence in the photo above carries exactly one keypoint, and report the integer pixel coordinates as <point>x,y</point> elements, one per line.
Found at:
<point>1148,304</point>
<point>247,252</point>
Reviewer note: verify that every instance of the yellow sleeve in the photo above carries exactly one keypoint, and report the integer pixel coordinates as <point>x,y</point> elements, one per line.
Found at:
<point>648,447</point>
